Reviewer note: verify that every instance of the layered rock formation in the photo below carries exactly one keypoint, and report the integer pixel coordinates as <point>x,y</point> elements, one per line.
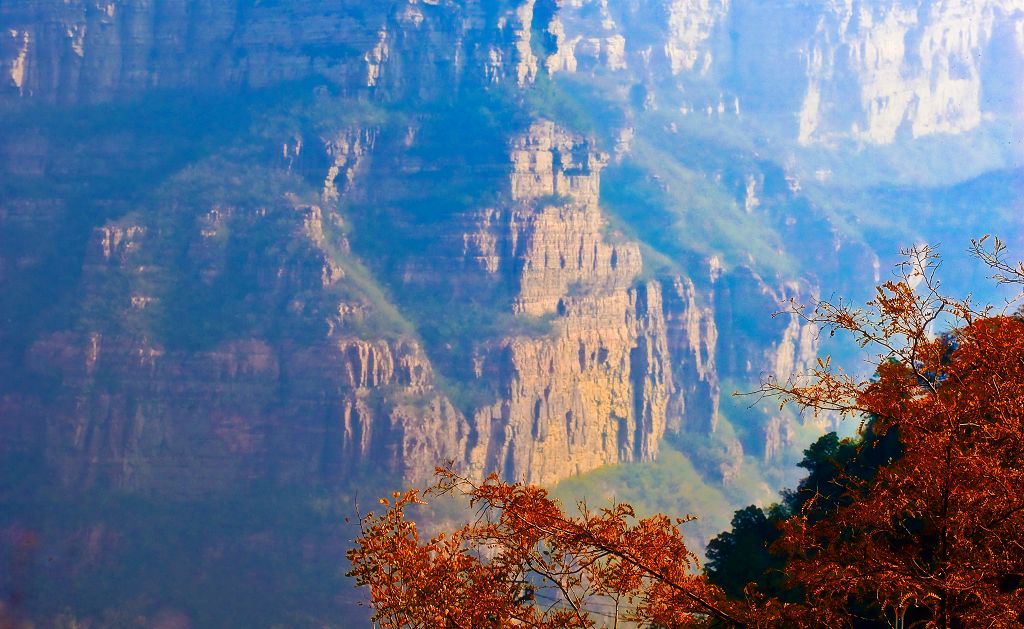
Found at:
<point>603,363</point>
<point>857,70</point>
<point>594,390</point>
<point>86,51</point>
<point>611,363</point>
<point>261,340</point>
<point>692,335</point>
<point>914,66</point>
<point>137,410</point>
<point>851,69</point>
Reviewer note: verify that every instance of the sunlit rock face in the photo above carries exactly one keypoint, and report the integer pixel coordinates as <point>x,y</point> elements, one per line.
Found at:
<point>866,71</point>
<point>299,386</point>
<point>913,67</point>
<point>590,384</point>
<point>691,23</point>
<point>594,390</point>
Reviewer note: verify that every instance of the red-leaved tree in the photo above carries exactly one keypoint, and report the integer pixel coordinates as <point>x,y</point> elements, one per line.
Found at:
<point>937,534</point>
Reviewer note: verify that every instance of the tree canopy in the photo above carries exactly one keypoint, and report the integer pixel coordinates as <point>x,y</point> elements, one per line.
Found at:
<point>918,522</point>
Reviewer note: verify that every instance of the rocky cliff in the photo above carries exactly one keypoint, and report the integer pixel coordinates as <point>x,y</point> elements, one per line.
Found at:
<point>240,313</point>
<point>850,70</point>
<point>919,68</point>
<point>229,342</point>
<point>140,407</point>
<point>596,386</point>
<point>87,51</point>
<point>858,70</point>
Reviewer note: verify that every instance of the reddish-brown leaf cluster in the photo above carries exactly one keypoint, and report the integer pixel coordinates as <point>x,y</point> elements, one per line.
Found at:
<point>524,562</point>
<point>940,528</point>
<point>937,533</point>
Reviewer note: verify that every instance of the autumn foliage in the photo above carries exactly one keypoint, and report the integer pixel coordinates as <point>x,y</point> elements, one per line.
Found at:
<point>931,536</point>
<point>935,534</point>
<point>523,562</point>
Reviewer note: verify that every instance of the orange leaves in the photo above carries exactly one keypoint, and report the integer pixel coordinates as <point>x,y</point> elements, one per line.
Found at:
<point>934,532</point>
<point>523,562</point>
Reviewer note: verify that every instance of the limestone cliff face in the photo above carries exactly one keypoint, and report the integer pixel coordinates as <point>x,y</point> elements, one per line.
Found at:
<point>676,35</point>
<point>86,51</point>
<point>864,71</point>
<point>593,394</point>
<point>917,66</point>
<point>347,151</point>
<point>588,380</point>
<point>292,379</point>
<point>309,405</point>
<point>300,374</point>
<point>271,330</point>
<point>594,390</point>
<point>558,241</point>
<point>723,331</point>
<point>693,343</point>
<point>860,70</point>
<point>625,362</point>
<point>691,23</point>
<point>138,416</point>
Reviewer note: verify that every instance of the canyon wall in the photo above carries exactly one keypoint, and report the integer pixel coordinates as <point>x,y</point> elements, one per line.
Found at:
<point>856,70</point>
<point>137,407</point>
<point>89,51</point>
<point>380,253</point>
<point>219,344</point>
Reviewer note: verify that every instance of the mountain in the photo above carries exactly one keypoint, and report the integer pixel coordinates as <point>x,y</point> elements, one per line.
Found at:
<point>260,254</point>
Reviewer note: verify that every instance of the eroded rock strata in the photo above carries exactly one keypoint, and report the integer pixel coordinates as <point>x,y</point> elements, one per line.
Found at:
<point>277,306</point>
<point>292,383</point>
<point>863,71</point>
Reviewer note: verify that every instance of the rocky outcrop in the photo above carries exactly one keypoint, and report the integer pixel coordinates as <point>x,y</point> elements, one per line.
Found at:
<point>593,394</point>
<point>918,67</point>
<point>755,346</point>
<point>853,70</point>
<point>347,151</point>
<point>691,24</point>
<point>136,413</point>
<point>558,238</point>
<point>84,51</point>
<point>552,162</point>
<point>593,391</point>
<point>692,336</point>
